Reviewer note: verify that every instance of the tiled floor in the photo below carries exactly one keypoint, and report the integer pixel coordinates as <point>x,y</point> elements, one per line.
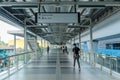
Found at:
<point>58,66</point>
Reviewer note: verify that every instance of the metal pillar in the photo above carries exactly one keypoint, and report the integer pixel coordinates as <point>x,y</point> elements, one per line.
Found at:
<point>80,44</point>
<point>92,55</point>
<point>25,42</point>
<point>47,43</point>
<point>44,43</point>
<point>74,39</point>
<point>16,58</point>
<point>71,43</point>
<point>36,50</point>
<point>15,44</point>
<point>79,40</point>
<point>41,43</point>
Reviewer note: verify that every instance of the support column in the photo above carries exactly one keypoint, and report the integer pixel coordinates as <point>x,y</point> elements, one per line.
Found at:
<point>44,43</point>
<point>25,42</point>
<point>48,43</point>
<point>79,40</point>
<point>41,42</point>
<point>14,44</point>
<point>71,43</point>
<point>36,50</point>
<point>92,54</point>
<point>74,39</point>
<point>16,58</point>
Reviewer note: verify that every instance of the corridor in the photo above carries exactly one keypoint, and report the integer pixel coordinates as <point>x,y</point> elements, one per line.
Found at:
<point>58,66</point>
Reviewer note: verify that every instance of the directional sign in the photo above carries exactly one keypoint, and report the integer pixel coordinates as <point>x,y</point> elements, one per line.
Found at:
<point>57,17</point>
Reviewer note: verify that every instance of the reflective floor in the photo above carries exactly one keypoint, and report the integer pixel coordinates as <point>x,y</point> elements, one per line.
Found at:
<point>58,66</point>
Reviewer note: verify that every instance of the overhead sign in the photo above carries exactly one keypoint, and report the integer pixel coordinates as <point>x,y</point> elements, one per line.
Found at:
<point>57,17</point>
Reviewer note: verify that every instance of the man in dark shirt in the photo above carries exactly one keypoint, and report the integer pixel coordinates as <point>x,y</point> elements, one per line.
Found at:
<point>48,50</point>
<point>76,55</point>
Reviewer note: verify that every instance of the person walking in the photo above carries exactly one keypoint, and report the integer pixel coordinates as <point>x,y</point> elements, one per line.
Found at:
<point>63,49</point>
<point>76,56</point>
<point>66,50</point>
<point>48,48</point>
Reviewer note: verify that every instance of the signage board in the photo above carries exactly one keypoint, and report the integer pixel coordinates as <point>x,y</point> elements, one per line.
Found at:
<point>57,18</point>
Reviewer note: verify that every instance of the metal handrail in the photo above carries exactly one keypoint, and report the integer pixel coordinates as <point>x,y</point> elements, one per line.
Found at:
<point>110,61</point>
<point>15,55</point>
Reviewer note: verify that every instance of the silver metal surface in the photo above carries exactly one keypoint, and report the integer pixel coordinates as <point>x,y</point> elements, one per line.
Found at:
<point>81,3</point>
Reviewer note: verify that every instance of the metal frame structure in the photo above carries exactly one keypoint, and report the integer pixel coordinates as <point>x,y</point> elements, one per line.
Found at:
<point>59,3</point>
<point>17,11</point>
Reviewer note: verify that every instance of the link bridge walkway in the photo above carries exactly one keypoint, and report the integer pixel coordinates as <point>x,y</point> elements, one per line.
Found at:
<point>58,66</point>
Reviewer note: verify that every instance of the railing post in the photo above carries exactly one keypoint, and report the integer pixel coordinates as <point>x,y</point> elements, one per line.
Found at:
<point>16,58</point>
<point>102,61</point>
<point>116,64</point>
<point>17,62</point>
<point>110,66</point>
<point>8,68</point>
<point>85,56</point>
<point>7,65</point>
<point>89,55</point>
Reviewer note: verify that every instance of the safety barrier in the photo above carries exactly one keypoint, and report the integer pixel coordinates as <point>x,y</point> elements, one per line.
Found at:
<point>11,64</point>
<point>105,60</point>
<point>109,52</point>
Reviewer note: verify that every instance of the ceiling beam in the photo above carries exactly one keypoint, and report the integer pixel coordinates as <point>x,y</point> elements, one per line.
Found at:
<point>11,17</point>
<point>71,8</point>
<point>36,26</point>
<point>79,26</point>
<point>44,9</point>
<point>80,3</point>
<point>58,33</point>
<point>20,14</point>
<point>69,26</point>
